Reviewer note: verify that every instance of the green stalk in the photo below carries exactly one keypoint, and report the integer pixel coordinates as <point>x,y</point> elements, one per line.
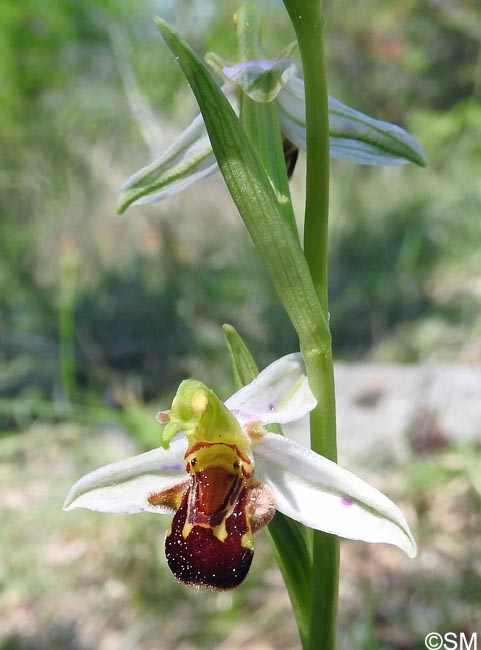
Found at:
<point>68,263</point>
<point>306,17</point>
<point>325,547</point>
<point>308,21</point>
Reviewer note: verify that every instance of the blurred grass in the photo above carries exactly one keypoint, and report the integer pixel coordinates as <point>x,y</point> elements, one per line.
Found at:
<point>101,316</point>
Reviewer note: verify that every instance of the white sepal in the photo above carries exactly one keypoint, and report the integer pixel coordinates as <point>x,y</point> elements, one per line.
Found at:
<point>124,487</point>
<point>188,160</point>
<point>279,394</point>
<point>353,135</point>
<point>318,493</point>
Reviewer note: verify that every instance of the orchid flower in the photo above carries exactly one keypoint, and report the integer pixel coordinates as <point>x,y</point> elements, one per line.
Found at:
<point>190,158</point>
<point>223,475</point>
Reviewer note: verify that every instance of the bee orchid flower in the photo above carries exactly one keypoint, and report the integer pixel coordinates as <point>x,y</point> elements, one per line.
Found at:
<point>353,135</point>
<point>223,475</point>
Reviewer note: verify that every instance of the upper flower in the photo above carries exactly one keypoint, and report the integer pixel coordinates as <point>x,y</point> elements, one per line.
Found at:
<point>190,158</point>
<point>224,475</point>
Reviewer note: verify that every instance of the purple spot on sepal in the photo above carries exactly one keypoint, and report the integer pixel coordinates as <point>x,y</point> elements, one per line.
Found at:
<point>346,502</point>
<point>271,406</point>
<point>242,415</point>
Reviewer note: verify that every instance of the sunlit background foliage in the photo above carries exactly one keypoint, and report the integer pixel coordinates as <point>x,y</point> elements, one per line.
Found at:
<point>101,315</point>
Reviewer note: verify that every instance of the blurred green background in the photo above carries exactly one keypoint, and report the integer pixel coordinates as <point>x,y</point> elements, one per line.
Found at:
<point>101,315</point>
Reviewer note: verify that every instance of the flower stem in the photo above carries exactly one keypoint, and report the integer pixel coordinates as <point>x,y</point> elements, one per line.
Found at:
<point>307,19</point>
<point>325,547</point>
<point>306,16</point>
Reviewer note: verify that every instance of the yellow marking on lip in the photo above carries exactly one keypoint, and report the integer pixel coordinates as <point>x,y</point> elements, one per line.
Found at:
<point>247,540</point>
<point>187,529</point>
<point>219,454</point>
<point>219,531</point>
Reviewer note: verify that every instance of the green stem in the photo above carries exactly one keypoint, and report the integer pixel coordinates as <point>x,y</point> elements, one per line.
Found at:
<point>308,23</point>
<point>325,547</point>
<point>307,19</point>
<point>325,580</point>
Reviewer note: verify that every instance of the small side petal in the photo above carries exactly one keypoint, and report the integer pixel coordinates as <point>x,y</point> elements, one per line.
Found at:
<point>279,394</point>
<point>318,493</point>
<point>124,487</point>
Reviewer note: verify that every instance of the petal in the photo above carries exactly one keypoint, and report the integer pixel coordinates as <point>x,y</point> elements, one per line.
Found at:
<point>320,494</point>
<point>353,135</point>
<point>188,160</point>
<point>259,79</point>
<point>124,487</point>
<point>280,394</point>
